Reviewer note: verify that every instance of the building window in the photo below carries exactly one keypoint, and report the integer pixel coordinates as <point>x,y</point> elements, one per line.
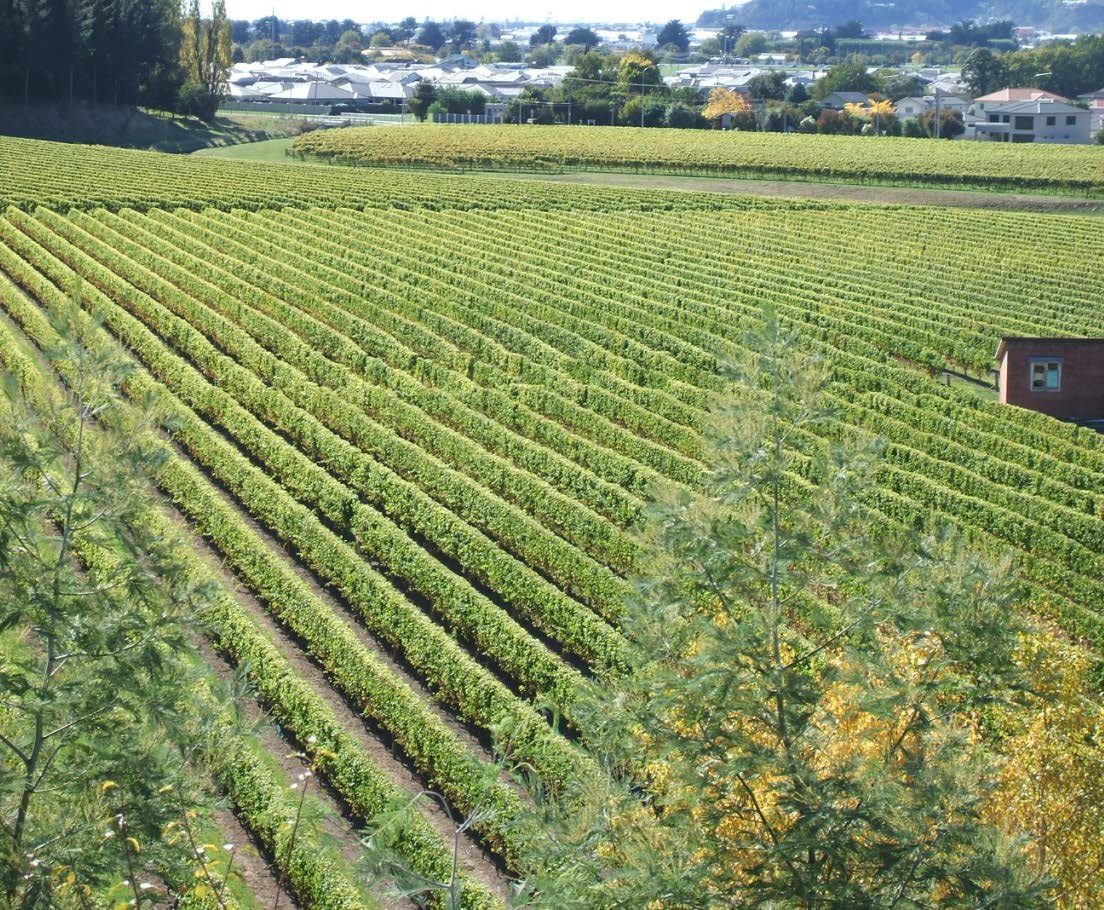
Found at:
<point>1052,121</point>
<point>1046,375</point>
<point>1071,120</point>
<point>1025,123</point>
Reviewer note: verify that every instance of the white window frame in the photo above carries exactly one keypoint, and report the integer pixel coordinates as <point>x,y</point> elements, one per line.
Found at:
<point>1045,363</point>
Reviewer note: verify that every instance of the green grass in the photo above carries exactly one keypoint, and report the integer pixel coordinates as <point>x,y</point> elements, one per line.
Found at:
<point>125,128</point>
<point>270,150</point>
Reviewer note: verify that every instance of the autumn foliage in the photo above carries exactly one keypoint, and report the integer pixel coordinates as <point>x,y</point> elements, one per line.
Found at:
<point>724,101</point>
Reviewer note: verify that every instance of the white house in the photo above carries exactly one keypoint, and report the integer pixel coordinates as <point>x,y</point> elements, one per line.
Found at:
<point>1041,120</point>
<point>913,106</point>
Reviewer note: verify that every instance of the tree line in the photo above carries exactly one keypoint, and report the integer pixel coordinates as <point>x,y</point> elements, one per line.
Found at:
<point>163,54</point>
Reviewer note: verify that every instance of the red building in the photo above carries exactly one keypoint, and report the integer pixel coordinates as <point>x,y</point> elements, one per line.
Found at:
<point>1062,377</point>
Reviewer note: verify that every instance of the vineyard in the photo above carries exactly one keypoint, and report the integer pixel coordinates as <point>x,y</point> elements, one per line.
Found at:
<point>774,156</point>
<point>417,417</point>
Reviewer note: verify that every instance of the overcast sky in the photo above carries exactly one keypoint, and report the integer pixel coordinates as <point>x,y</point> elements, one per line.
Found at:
<point>477,10</point>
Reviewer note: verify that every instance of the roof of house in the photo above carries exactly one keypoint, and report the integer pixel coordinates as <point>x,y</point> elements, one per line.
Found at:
<point>1039,106</point>
<point>314,91</point>
<point>1014,339</point>
<point>848,96</point>
<point>1020,94</point>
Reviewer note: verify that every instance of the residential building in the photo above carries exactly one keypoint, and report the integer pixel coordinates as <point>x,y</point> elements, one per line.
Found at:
<point>985,103</point>
<point>1062,377</point>
<point>1042,120</point>
<point>837,100</point>
<point>1095,101</point>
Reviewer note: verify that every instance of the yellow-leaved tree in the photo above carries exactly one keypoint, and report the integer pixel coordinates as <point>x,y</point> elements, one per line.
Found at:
<point>1051,784</point>
<point>724,101</point>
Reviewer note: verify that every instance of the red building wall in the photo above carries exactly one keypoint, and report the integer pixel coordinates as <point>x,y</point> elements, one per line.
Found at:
<point>1082,391</point>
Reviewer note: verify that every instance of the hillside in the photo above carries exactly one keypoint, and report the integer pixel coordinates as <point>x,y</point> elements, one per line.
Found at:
<point>138,129</point>
<point>1053,15</point>
<point>416,417</point>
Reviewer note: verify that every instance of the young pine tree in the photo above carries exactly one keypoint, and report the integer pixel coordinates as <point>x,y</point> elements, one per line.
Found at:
<point>796,731</point>
<point>95,657</point>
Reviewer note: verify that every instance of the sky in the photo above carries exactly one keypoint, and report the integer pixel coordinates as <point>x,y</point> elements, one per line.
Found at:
<point>627,11</point>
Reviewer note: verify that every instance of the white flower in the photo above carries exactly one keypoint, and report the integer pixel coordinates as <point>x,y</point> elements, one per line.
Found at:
<point>227,847</point>
<point>145,886</point>
<point>312,739</point>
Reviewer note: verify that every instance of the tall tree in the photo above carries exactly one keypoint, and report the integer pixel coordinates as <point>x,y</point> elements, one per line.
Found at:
<point>797,729</point>
<point>674,33</point>
<point>205,56</point>
<point>461,35</point>
<point>583,36</point>
<point>636,71</point>
<point>546,34</point>
<point>431,35</point>
<point>983,72</point>
<point>424,95</point>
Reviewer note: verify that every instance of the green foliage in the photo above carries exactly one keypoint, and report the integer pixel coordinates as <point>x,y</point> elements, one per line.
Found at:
<point>946,125</point>
<point>97,51</point>
<point>425,94</point>
<point>92,755</point>
<point>674,34</point>
<point>796,729</point>
<point>205,58</point>
<point>984,72</point>
<point>582,36</point>
<point>846,77</point>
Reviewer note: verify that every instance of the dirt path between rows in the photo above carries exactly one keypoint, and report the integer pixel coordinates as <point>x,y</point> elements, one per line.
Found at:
<point>838,192</point>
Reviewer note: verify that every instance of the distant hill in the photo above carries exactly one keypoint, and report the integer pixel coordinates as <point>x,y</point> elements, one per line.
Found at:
<point>1054,15</point>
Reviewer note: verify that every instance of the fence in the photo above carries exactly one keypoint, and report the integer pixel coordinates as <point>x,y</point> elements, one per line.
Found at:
<point>467,118</point>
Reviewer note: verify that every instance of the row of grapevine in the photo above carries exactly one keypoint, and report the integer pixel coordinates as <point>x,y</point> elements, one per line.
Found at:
<point>64,176</point>
<point>261,793</point>
<point>741,154</point>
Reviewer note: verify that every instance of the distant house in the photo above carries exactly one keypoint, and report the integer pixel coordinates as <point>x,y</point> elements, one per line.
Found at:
<point>837,100</point>
<point>1041,120</point>
<point>913,107</point>
<point>1095,101</point>
<point>1062,377</point>
<point>985,103</point>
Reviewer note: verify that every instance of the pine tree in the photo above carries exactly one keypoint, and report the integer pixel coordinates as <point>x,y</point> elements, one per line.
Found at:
<point>96,663</point>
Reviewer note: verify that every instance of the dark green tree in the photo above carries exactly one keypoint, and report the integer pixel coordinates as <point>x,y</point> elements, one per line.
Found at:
<point>770,86</point>
<point>461,34</point>
<point>424,95</point>
<point>852,28</point>
<point>674,33</point>
<point>946,125</point>
<point>583,36</point>
<point>431,35</point>
<point>983,72</point>
<point>846,77</point>
<point>508,52</point>
<point>546,34</point>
